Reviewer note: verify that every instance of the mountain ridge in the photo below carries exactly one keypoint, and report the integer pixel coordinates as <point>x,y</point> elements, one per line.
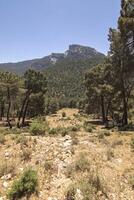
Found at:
<point>75,52</point>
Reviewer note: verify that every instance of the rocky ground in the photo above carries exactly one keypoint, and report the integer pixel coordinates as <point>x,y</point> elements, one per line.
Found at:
<point>108,152</point>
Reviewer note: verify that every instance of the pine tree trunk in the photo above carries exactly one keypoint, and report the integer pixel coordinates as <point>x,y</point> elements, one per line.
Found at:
<point>103,110</point>
<point>125,112</point>
<point>22,109</point>
<point>9,106</point>
<point>125,106</point>
<point>24,113</point>
<point>2,110</point>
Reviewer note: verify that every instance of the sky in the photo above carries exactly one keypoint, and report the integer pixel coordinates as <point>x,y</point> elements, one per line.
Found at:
<point>35,28</point>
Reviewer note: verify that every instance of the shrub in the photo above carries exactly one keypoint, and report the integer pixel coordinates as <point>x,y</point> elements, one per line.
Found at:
<point>75,128</point>
<point>116,143</point>
<point>106,133</point>
<point>6,168</point>
<point>63,114</point>
<point>132,143</point>
<point>101,135</point>
<point>26,154</point>
<point>59,130</point>
<point>65,131</point>
<point>38,128</point>
<point>25,186</point>
<point>70,195</point>
<point>82,164</point>
<point>88,188</point>
<point>88,127</point>
<point>54,131</point>
<point>48,165</point>
<point>110,154</point>
<point>22,140</point>
<point>2,139</point>
<point>132,182</point>
<point>75,140</point>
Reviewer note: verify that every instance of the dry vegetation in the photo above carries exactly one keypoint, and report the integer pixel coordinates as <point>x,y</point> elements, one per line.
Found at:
<point>69,159</point>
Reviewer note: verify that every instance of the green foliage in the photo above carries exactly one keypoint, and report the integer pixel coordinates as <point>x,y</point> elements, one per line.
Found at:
<point>38,127</point>
<point>132,144</point>
<point>66,80</point>
<point>58,130</point>
<point>26,154</point>
<point>106,133</point>
<point>23,140</point>
<point>88,127</point>
<point>82,164</point>
<point>101,135</point>
<point>48,165</point>
<point>132,182</point>
<point>34,81</point>
<point>63,130</point>
<point>2,139</point>
<point>88,187</point>
<point>6,168</point>
<point>25,186</point>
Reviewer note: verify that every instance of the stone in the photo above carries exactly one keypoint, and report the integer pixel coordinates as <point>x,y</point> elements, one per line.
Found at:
<point>52,198</point>
<point>78,195</point>
<point>6,177</point>
<point>5,184</point>
<point>7,155</point>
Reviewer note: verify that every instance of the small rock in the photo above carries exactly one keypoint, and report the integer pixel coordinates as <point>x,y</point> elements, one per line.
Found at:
<point>52,198</point>
<point>6,177</point>
<point>67,137</point>
<point>7,155</point>
<point>78,195</point>
<point>5,184</point>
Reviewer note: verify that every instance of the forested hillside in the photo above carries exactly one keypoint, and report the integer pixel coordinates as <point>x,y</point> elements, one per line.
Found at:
<point>64,73</point>
<point>66,80</point>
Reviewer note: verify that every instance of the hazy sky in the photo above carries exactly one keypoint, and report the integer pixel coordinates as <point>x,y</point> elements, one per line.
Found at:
<point>35,28</point>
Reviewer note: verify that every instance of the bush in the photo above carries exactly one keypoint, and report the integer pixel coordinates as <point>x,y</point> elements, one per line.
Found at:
<point>110,154</point>
<point>59,130</point>
<point>2,139</point>
<point>75,128</point>
<point>129,127</point>
<point>82,164</point>
<point>132,143</point>
<point>54,131</point>
<point>132,182</point>
<point>87,187</point>
<point>25,186</point>
<point>22,140</point>
<point>101,135</point>
<point>106,133</point>
<point>48,165</point>
<point>6,168</point>
<point>116,143</point>
<point>70,195</point>
<point>26,154</point>
<point>88,127</point>
<point>38,128</point>
<point>63,114</point>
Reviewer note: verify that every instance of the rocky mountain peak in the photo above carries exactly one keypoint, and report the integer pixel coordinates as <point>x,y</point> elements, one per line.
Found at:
<point>79,51</point>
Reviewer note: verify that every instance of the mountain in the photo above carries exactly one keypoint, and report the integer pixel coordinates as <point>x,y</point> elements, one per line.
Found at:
<point>64,71</point>
<point>74,52</point>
